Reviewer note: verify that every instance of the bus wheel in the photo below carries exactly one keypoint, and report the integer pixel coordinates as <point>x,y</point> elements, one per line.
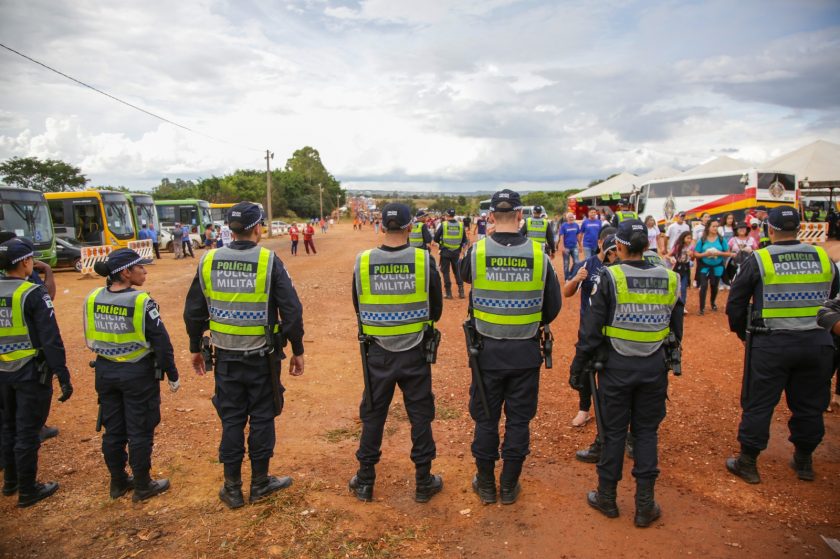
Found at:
<point>77,264</point>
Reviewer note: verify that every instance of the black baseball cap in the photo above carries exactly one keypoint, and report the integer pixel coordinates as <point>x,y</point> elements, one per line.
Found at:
<point>608,244</point>
<point>538,210</point>
<point>450,212</point>
<point>244,216</point>
<point>420,213</point>
<point>626,229</point>
<point>399,213</point>
<point>783,218</point>
<point>761,209</point>
<point>17,249</point>
<point>509,198</point>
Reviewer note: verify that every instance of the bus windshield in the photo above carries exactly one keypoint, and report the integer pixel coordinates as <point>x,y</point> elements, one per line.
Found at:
<point>118,216</point>
<point>146,214</point>
<point>27,219</point>
<point>206,218</point>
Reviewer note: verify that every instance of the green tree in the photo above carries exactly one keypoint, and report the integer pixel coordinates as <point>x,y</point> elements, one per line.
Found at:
<point>169,190</point>
<point>50,175</point>
<point>306,165</point>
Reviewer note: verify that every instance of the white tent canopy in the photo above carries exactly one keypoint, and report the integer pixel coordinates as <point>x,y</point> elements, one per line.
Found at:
<point>619,184</point>
<point>818,162</point>
<point>719,165</point>
<point>656,174</point>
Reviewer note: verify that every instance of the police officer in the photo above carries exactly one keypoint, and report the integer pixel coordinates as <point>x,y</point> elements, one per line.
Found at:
<point>539,229</point>
<point>420,237</point>
<point>763,233</point>
<point>401,282</point>
<point>123,328</point>
<point>632,313</point>
<point>514,292</point>
<point>789,351</point>
<point>623,214</point>
<point>29,356</point>
<point>451,237</point>
<point>237,293</point>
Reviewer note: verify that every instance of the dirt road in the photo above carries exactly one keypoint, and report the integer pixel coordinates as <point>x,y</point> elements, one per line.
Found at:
<point>706,511</point>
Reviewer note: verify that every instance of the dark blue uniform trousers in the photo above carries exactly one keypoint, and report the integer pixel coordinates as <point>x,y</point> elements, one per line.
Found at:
<point>634,398</point>
<point>130,413</point>
<point>26,406</point>
<point>518,391</point>
<point>804,374</point>
<point>243,395</point>
<point>410,371</point>
<point>450,259</point>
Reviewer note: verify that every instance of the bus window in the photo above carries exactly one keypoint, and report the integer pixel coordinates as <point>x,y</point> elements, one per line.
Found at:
<point>28,219</point>
<point>166,215</point>
<point>187,215</point>
<point>206,218</point>
<point>118,216</point>
<point>146,214</point>
<point>709,186</point>
<point>87,221</point>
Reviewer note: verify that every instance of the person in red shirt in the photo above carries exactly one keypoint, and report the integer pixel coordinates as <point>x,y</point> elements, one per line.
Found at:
<point>294,235</point>
<point>308,232</point>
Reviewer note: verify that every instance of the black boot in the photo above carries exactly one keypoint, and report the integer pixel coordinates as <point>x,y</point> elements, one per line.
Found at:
<point>427,484</point>
<point>361,484</point>
<point>231,492</point>
<point>630,445</point>
<point>460,291</point>
<point>262,484</point>
<point>121,483</point>
<point>10,481</point>
<point>744,467</point>
<point>803,465</point>
<point>646,508</point>
<point>35,493</point>
<point>47,432</point>
<point>146,488</point>
<point>592,454</point>
<point>509,486</point>
<point>603,499</point>
<point>448,293</point>
<point>484,482</point>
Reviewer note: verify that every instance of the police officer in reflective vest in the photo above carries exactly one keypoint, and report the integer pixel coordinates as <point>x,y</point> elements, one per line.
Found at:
<point>787,282</point>
<point>123,328</point>
<point>31,350</point>
<point>451,237</point>
<point>763,228</point>
<point>632,314</point>
<point>623,215</point>
<point>420,237</point>
<point>514,292</point>
<point>396,293</point>
<point>538,228</point>
<point>237,294</point>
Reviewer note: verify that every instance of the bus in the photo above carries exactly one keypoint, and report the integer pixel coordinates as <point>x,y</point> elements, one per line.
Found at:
<point>143,211</point>
<point>218,211</point>
<point>716,193</point>
<point>25,213</point>
<point>192,212</point>
<point>92,217</point>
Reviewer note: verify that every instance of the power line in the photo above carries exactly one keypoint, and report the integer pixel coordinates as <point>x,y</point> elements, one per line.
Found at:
<point>118,100</point>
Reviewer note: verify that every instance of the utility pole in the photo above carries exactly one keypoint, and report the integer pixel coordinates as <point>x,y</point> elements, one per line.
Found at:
<point>338,207</point>
<point>321,197</point>
<point>268,157</point>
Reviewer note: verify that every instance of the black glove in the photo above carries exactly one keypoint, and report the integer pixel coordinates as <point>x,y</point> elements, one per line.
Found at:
<point>66,392</point>
<point>577,373</point>
<point>829,314</point>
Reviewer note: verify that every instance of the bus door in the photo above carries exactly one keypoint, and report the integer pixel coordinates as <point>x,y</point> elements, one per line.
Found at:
<point>86,223</point>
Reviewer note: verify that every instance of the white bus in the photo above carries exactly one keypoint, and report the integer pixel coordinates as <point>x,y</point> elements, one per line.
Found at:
<point>717,193</point>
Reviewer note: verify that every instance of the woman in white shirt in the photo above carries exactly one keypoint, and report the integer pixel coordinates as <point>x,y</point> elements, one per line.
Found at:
<point>653,233</point>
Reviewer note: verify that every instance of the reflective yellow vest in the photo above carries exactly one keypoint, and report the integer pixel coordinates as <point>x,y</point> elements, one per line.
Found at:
<point>508,283</point>
<point>453,233</point>
<point>624,215</point>
<point>393,294</point>
<point>644,300</point>
<point>537,228</point>
<point>115,325</point>
<point>16,349</point>
<point>795,279</point>
<point>236,284</point>
<point>415,238</point>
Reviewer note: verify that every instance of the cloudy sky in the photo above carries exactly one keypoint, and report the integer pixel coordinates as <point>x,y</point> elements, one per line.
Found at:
<point>433,94</point>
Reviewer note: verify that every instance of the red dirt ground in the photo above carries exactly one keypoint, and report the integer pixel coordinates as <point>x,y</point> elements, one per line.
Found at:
<point>706,512</point>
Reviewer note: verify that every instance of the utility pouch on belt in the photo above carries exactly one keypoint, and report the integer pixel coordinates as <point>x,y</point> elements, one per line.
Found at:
<point>431,341</point>
<point>547,341</point>
<point>44,373</point>
<point>207,353</point>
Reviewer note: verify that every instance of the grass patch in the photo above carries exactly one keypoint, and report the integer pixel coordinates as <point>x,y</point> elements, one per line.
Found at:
<point>343,434</point>
<point>447,412</point>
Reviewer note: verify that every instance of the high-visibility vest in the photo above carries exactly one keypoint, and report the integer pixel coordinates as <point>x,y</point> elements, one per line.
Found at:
<point>764,235</point>
<point>795,279</point>
<point>652,257</point>
<point>624,215</point>
<point>644,299</point>
<point>393,294</point>
<point>115,325</point>
<point>236,284</point>
<point>415,238</point>
<point>453,233</point>
<point>508,283</point>
<point>16,349</point>
<point>537,228</point>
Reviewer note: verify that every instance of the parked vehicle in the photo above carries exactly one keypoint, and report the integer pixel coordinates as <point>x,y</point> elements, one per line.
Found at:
<point>69,252</point>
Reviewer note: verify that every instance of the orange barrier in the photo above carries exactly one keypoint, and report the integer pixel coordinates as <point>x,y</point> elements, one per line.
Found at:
<point>92,255</point>
<point>143,248</point>
<point>813,233</point>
